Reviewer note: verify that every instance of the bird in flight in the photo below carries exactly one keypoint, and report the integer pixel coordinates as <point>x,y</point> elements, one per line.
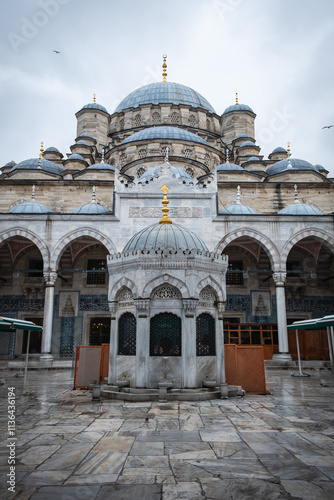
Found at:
<point>56,51</point>
<point>328,126</point>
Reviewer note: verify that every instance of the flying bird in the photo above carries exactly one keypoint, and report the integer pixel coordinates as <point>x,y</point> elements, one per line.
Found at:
<point>328,126</point>
<point>56,51</point>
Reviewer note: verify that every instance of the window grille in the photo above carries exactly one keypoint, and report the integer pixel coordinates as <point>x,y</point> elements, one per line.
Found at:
<point>165,335</point>
<point>121,123</point>
<point>127,335</point>
<point>192,120</point>
<point>138,120</point>
<point>122,160</point>
<point>96,278</point>
<point>141,171</point>
<point>175,118</point>
<point>190,171</point>
<point>207,160</point>
<point>99,331</point>
<point>235,278</point>
<point>166,292</point>
<point>142,153</point>
<point>208,124</point>
<point>206,295</point>
<point>205,335</point>
<point>156,118</point>
<point>187,153</point>
<point>125,294</point>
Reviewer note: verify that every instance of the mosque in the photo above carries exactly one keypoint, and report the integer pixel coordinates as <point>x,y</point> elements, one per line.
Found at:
<point>165,233</point>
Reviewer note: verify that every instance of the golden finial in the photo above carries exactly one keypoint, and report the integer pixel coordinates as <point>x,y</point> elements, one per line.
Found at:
<point>288,149</point>
<point>94,98</point>
<point>165,202</point>
<point>236,98</point>
<point>164,69</point>
<point>42,151</point>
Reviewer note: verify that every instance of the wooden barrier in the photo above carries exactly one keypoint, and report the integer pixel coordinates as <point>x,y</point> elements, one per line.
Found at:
<point>104,365</point>
<point>87,366</point>
<point>244,366</point>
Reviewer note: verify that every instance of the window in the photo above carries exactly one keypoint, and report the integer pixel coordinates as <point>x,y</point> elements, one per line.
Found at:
<point>122,160</point>
<point>98,278</point>
<point>190,171</point>
<point>156,118</point>
<point>165,335</point>
<point>127,335</point>
<point>138,120</point>
<point>187,153</point>
<point>207,160</point>
<point>233,277</point>
<point>121,123</point>
<point>175,118</point>
<point>36,268</point>
<point>192,120</point>
<point>142,153</point>
<point>208,124</point>
<point>141,171</point>
<point>99,332</point>
<point>205,335</point>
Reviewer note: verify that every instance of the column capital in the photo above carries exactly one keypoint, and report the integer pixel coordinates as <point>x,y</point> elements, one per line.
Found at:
<point>189,306</point>
<point>112,307</point>
<point>142,306</point>
<point>221,309</point>
<point>50,278</point>
<point>279,278</point>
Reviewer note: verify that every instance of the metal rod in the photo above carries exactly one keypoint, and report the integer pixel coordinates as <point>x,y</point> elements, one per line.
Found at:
<point>27,359</point>
<point>330,347</point>
<point>298,352</point>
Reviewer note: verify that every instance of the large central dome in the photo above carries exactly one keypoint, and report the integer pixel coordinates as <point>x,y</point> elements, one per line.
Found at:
<point>164,93</point>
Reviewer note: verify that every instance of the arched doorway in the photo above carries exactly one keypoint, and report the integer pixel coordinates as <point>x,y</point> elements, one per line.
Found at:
<point>165,335</point>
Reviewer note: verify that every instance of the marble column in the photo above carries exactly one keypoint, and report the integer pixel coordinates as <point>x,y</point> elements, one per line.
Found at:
<point>112,373</point>
<point>50,280</point>
<point>143,341</point>
<point>279,279</point>
<point>221,378</point>
<point>189,361</point>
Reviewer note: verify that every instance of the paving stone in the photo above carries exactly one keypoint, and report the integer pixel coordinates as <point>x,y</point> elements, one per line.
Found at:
<point>129,492</point>
<point>66,492</point>
<point>243,489</point>
<point>192,491</point>
<point>307,490</point>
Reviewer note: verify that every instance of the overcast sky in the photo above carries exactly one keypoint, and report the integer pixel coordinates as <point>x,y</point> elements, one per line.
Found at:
<point>277,54</point>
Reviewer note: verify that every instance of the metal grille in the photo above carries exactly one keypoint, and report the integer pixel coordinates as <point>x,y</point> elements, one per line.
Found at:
<point>96,278</point>
<point>165,335</point>
<point>7,344</point>
<point>205,335</point>
<point>66,337</point>
<point>127,335</point>
<point>235,278</point>
<point>99,331</point>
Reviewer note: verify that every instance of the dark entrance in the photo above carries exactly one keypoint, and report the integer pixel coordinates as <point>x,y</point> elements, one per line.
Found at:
<point>35,344</point>
<point>99,332</point>
<point>165,335</point>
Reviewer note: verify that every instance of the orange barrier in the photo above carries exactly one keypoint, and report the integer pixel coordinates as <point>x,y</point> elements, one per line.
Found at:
<point>104,365</point>
<point>244,365</point>
<point>87,365</point>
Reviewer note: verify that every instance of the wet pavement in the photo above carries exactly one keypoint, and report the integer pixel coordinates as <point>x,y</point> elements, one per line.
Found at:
<point>65,446</point>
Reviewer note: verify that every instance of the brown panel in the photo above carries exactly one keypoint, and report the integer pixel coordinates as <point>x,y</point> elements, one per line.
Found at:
<point>87,366</point>
<point>231,370</point>
<point>104,367</point>
<point>313,344</point>
<point>251,374</point>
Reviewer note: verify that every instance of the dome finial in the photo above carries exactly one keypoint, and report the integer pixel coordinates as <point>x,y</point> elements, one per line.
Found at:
<point>93,195</point>
<point>164,69</point>
<point>42,151</point>
<point>165,202</point>
<point>94,98</point>
<point>236,98</point>
<point>33,194</point>
<point>227,153</point>
<point>238,196</point>
<point>296,194</point>
<point>288,149</point>
<point>102,158</point>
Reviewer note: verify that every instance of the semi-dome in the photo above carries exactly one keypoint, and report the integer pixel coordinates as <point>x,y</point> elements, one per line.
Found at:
<point>177,172</point>
<point>165,236</point>
<point>82,142</point>
<point>164,93</point>
<point>228,166</point>
<point>248,144</point>
<point>86,135</point>
<point>320,168</point>
<point>101,166</point>
<point>92,208</point>
<point>36,163</point>
<point>300,209</point>
<point>76,156</point>
<point>30,207</point>
<point>52,150</point>
<point>289,164</point>
<point>241,136</point>
<point>165,132</point>
<point>10,164</point>
<point>253,158</point>
<point>238,209</point>
<point>238,107</point>
<point>95,105</point>
<point>279,150</point>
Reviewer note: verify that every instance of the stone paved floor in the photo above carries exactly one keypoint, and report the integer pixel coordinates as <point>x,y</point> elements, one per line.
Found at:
<point>279,446</point>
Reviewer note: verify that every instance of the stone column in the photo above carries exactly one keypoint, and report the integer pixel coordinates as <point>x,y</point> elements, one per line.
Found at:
<point>221,376</point>
<point>143,341</point>
<point>279,279</point>
<point>189,361</point>
<point>50,280</point>
<point>112,373</point>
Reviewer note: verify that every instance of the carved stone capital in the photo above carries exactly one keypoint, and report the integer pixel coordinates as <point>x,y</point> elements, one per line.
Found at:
<point>221,309</point>
<point>279,278</point>
<point>50,278</point>
<point>112,307</point>
<point>142,306</point>
<point>189,306</point>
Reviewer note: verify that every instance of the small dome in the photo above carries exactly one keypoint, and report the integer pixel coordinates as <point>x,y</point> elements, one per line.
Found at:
<point>91,209</point>
<point>242,136</point>
<point>76,156</point>
<point>94,105</point>
<point>81,142</point>
<point>279,150</point>
<point>165,236</point>
<point>101,166</point>
<point>164,93</point>
<point>300,209</point>
<point>228,166</point>
<point>238,209</point>
<point>253,158</point>
<point>248,144</point>
<point>165,132</point>
<point>238,107</point>
<point>30,207</point>
<point>10,164</point>
<point>283,165</point>
<point>320,168</point>
<point>35,163</point>
<point>177,172</point>
<point>87,135</point>
<point>52,150</point>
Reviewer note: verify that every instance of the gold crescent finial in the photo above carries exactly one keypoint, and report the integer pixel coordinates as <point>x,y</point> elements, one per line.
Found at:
<point>236,98</point>
<point>94,98</point>
<point>42,151</point>
<point>164,69</point>
<point>288,149</point>
<point>165,202</point>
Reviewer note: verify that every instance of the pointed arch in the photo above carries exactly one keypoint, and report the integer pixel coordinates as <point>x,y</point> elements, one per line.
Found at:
<point>24,233</point>
<point>165,280</point>
<point>306,233</point>
<point>74,235</point>
<point>267,245</point>
<point>212,283</point>
<point>119,285</point>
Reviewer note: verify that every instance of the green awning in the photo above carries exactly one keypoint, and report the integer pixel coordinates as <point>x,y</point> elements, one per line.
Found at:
<point>313,324</point>
<point>9,324</point>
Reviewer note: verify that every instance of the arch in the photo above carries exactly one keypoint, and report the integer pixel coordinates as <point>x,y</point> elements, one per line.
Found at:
<point>119,285</point>
<point>205,335</point>
<point>267,244</point>
<point>212,283</point>
<point>306,233</point>
<point>79,233</point>
<point>164,280</point>
<point>6,235</point>
<point>127,332</point>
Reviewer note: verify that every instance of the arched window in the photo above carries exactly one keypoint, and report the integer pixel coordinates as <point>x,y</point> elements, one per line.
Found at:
<point>165,335</point>
<point>141,171</point>
<point>207,160</point>
<point>187,153</point>
<point>175,118</point>
<point>192,120</point>
<point>142,153</point>
<point>190,171</point>
<point>122,160</point>
<point>138,120</point>
<point>121,123</point>
<point>205,335</point>
<point>208,124</point>
<point>127,335</point>
<point>156,118</point>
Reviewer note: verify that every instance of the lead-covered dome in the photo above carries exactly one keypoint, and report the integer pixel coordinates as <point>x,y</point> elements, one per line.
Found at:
<point>300,209</point>
<point>164,93</point>
<point>165,132</point>
<point>238,107</point>
<point>165,236</point>
<point>30,207</point>
<point>289,164</point>
<point>92,208</point>
<point>228,166</point>
<point>38,163</point>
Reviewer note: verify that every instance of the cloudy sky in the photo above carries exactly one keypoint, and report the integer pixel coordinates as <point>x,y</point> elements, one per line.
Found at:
<point>277,54</point>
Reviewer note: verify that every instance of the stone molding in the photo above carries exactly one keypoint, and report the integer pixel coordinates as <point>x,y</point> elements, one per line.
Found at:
<point>50,278</point>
